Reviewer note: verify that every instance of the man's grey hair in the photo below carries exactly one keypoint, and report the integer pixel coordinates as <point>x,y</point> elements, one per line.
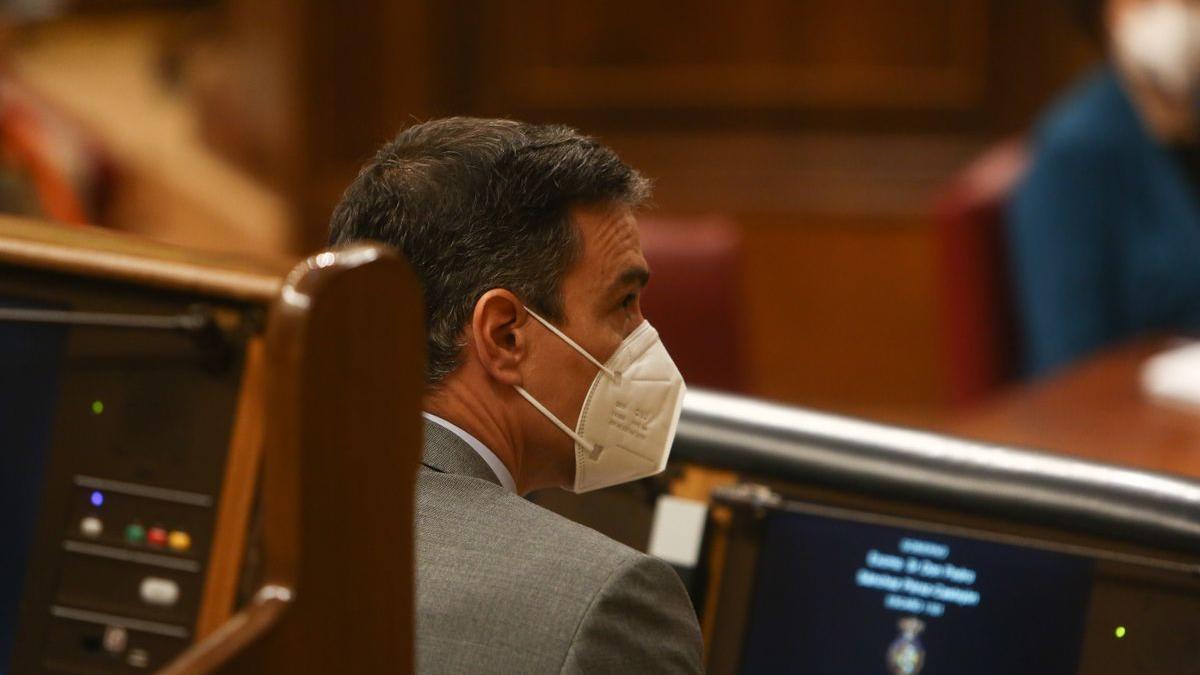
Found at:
<point>476,204</point>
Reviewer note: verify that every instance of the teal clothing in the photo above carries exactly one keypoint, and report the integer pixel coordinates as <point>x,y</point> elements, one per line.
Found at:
<point>1103,232</point>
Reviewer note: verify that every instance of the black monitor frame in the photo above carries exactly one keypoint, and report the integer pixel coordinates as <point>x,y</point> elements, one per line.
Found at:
<point>1123,584</point>
<point>1141,528</point>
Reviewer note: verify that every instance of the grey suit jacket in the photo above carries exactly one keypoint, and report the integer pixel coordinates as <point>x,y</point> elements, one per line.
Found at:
<point>505,586</point>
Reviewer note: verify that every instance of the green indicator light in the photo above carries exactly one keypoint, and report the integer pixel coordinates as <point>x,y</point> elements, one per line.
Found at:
<point>1119,632</point>
<point>97,407</point>
<point>135,534</point>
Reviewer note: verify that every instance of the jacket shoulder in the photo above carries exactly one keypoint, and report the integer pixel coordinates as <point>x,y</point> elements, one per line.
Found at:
<point>1095,119</point>
<point>476,515</point>
<point>641,620</point>
<point>504,585</point>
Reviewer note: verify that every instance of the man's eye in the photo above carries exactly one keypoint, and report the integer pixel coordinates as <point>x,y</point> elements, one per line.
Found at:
<point>628,300</point>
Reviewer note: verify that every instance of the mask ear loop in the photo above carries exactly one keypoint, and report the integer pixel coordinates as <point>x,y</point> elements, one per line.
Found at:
<point>612,374</point>
<point>592,448</point>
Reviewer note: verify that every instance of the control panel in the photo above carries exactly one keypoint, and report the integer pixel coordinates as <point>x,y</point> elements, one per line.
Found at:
<point>120,403</point>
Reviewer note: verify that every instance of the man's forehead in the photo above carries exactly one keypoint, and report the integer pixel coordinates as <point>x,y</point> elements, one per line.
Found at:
<point>611,241</point>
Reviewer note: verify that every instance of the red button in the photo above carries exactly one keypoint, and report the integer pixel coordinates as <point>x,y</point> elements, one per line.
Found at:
<point>156,536</point>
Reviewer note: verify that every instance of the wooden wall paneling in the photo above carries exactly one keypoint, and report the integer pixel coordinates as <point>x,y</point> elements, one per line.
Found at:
<point>877,175</point>
<point>317,87</point>
<point>839,278</point>
<point>601,54</point>
<point>1039,49</point>
<point>840,314</point>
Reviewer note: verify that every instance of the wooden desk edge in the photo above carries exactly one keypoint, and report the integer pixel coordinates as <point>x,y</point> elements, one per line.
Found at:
<point>100,253</point>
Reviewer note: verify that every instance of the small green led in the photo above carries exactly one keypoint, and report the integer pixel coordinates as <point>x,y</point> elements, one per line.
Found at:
<point>97,407</point>
<point>1119,632</point>
<point>135,533</point>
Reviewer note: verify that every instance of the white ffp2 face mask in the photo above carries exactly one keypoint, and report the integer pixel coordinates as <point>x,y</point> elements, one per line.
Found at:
<point>628,419</point>
<point>1161,41</point>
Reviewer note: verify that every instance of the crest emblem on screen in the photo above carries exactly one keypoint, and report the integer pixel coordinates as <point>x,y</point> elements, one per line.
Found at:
<point>906,654</point>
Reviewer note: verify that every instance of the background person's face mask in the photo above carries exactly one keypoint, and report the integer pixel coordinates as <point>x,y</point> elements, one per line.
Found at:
<point>629,416</point>
<point>1160,41</point>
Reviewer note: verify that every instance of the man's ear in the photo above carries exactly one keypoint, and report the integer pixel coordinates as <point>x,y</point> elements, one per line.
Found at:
<point>497,336</point>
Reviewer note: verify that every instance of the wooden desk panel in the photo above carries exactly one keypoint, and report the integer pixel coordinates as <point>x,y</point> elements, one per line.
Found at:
<point>1096,410</point>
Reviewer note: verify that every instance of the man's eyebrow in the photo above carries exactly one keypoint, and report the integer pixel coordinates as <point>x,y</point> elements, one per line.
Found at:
<point>632,275</point>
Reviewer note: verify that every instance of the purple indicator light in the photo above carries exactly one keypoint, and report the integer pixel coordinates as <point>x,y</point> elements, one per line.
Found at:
<point>97,498</point>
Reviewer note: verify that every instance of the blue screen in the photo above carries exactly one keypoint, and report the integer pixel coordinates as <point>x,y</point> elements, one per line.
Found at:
<point>31,358</point>
<point>834,596</point>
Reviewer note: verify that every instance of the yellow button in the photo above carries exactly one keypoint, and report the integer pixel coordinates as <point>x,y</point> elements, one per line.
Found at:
<point>179,540</point>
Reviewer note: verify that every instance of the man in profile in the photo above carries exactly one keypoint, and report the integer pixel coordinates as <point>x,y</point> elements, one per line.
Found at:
<point>541,372</point>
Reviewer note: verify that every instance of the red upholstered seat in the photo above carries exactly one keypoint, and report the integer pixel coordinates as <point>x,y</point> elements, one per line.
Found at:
<point>694,297</point>
<point>978,328</point>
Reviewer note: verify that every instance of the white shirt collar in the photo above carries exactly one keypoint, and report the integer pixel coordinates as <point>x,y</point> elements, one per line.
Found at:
<point>480,449</point>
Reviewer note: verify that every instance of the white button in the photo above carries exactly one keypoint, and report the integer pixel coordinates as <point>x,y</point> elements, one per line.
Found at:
<point>91,527</point>
<point>158,591</point>
<point>115,639</point>
<point>138,658</point>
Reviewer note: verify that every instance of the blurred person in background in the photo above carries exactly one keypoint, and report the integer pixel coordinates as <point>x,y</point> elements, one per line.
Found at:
<point>1104,231</point>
